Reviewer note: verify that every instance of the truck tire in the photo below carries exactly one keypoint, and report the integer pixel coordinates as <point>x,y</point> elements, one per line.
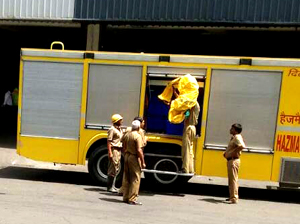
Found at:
<point>98,166</point>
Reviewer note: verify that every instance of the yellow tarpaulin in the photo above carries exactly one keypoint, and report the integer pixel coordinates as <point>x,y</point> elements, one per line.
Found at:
<point>188,93</point>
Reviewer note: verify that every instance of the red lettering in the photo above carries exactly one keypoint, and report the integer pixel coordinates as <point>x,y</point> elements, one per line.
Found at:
<point>292,145</point>
<point>283,144</point>
<point>297,144</point>
<point>278,146</point>
<point>288,143</point>
<point>288,138</point>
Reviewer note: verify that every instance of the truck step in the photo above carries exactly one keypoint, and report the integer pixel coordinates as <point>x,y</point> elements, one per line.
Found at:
<point>167,172</point>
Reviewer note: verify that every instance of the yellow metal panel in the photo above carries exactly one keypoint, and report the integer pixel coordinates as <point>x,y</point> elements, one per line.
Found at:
<point>200,141</point>
<point>287,142</point>
<point>82,138</point>
<point>88,137</point>
<point>143,91</point>
<point>213,164</point>
<point>49,150</point>
<point>254,166</point>
<point>19,105</point>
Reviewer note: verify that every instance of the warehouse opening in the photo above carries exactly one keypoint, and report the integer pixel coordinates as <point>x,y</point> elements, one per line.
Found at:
<point>13,38</point>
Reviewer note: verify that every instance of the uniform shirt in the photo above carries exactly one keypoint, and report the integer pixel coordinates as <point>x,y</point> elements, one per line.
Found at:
<point>142,132</point>
<point>7,99</point>
<point>132,141</point>
<point>235,141</point>
<point>193,118</point>
<point>114,135</point>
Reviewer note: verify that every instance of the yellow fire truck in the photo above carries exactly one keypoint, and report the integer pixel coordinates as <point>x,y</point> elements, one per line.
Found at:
<point>66,99</point>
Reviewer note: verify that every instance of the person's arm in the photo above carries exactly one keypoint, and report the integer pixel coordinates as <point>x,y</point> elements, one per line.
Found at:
<point>144,137</point>
<point>109,140</point>
<point>123,140</point>
<point>240,145</point>
<point>140,154</point>
<point>109,150</point>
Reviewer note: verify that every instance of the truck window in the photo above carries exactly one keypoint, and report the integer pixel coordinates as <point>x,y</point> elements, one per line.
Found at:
<point>247,97</point>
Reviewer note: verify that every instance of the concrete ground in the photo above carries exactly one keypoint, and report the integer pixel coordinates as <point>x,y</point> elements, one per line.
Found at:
<point>36,192</point>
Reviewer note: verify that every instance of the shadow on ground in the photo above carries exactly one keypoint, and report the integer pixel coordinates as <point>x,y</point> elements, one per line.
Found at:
<point>212,200</point>
<point>111,200</point>
<point>150,189</point>
<point>46,175</point>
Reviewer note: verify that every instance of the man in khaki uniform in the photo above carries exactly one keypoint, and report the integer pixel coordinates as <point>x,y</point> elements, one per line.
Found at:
<point>142,132</point>
<point>133,163</point>
<point>189,132</point>
<point>232,154</point>
<point>114,146</point>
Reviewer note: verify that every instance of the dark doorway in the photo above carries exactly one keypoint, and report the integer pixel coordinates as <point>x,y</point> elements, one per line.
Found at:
<point>13,38</point>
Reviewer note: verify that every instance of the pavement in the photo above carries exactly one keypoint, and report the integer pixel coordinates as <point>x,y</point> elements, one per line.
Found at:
<point>9,157</point>
<point>38,192</point>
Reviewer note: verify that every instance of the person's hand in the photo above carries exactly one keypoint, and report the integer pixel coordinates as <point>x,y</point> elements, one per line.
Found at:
<point>146,138</point>
<point>110,156</point>
<point>166,102</point>
<point>175,92</point>
<point>143,165</point>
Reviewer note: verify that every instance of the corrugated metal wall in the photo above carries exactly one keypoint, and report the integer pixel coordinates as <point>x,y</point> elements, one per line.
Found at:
<point>212,11</point>
<point>193,11</point>
<point>37,9</point>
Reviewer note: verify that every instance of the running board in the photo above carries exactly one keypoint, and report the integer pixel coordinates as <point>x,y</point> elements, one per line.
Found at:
<point>168,172</point>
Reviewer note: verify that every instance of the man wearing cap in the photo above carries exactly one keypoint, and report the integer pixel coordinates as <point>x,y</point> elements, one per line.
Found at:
<point>142,132</point>
<point>133,163</point>
<point>144,140</point>
<point>114,146</point>
<point>232,154</point>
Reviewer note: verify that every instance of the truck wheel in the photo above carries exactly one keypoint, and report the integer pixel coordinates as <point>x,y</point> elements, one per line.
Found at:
<point>98,166</point>
<point>163,164</point>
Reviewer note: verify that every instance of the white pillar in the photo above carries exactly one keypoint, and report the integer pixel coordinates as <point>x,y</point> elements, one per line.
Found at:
<point>92,42</point>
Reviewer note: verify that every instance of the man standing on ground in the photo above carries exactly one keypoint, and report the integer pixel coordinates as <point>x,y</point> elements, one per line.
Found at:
<point>133,163</point>
<point>144,140</point>
<point>114,146</point>
<point>232,154</point>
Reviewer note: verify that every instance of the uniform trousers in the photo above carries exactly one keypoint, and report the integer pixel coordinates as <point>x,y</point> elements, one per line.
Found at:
<point>187,152</point>
<point>233,166</point>
<point>131,178</point>
<point>114,164</point>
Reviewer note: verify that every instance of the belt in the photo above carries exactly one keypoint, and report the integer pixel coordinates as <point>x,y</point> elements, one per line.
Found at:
<point>232,158</point>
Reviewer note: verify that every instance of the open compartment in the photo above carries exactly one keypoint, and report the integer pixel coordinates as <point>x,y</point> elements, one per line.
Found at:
<point>156,112</point>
